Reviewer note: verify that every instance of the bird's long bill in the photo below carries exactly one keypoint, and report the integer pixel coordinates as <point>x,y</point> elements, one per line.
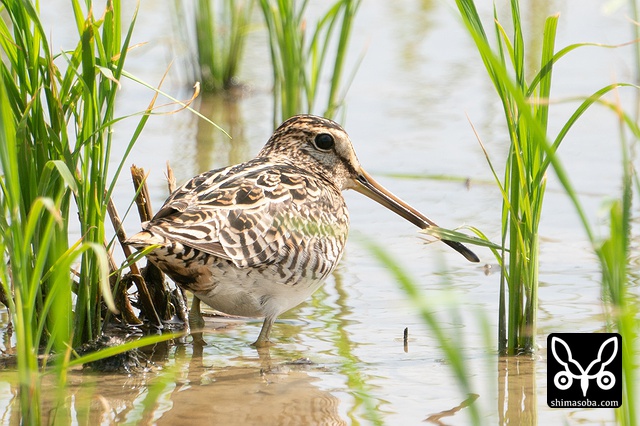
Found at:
<point>368,186</point>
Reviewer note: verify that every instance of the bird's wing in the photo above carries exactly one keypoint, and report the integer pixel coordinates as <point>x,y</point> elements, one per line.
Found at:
<point>251,215</point>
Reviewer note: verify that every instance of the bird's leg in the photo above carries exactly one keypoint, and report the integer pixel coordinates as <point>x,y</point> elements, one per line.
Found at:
<point>196,322</point>
<point>196,325</point>
<point>263,338</point>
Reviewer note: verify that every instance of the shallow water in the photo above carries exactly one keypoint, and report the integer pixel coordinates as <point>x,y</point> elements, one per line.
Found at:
<point>340,356</point>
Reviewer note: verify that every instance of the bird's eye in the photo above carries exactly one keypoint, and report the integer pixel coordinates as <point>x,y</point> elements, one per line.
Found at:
<point>324,141</point>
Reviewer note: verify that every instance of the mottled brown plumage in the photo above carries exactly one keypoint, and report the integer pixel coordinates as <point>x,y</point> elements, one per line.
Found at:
<point>258,238</point>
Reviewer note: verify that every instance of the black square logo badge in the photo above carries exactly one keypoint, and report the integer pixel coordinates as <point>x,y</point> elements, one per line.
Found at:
<point>584,370</point>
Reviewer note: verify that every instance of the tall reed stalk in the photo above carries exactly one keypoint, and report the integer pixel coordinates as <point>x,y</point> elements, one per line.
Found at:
<point>301,55</point>
<point>526,113</point>
<point>613,251</point>
<point>531,151</point>
<point>57,114</point>
<point>221,28</point>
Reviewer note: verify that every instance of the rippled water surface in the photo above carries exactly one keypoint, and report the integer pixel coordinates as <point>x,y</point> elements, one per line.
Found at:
<point>339,358</point>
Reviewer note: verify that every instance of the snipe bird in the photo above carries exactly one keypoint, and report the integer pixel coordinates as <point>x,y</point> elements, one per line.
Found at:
<point>258,238</point>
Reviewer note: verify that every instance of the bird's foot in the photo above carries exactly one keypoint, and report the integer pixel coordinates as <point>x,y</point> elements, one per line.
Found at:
<point>262,343</point>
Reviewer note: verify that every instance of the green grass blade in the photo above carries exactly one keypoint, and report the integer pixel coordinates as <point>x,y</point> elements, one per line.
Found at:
<point>451,235</point>
<point>450,345</point>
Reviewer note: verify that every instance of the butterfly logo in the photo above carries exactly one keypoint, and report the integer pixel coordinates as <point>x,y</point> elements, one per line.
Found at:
<point>595,370</point>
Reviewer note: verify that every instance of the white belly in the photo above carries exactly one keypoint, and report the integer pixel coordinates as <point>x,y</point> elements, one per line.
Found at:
<point>253,293</point>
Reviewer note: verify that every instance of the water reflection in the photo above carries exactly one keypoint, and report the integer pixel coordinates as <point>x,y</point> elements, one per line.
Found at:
<point>262,391</point>
<point>438,417</point>
<point>258,390</point>
<point>535,14</point>
<point>356,378</point>
<point>213,148</point>
<point>412,23</point>
<point>517,401</point>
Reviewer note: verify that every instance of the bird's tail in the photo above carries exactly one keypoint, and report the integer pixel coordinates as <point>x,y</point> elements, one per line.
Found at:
<point>145,239</point>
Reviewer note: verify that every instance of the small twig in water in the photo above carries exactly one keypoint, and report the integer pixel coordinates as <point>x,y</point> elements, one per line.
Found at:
<point>143,291</point>
<point>405,339</point>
